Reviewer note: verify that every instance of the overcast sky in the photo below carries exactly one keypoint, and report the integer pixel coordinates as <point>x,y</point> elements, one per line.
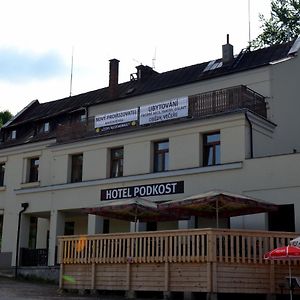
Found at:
<point>37,37</point>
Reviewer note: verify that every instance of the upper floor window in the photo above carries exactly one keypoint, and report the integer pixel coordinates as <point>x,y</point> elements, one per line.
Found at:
<point>33,169</point>
<point>2,171</point>
<point>76,167</point>
<point>211,149</point>
<point>44,127</point>
<point>83,117</point>
<point>14,134</point>
<point>161,156</point>
<point>116,157</point>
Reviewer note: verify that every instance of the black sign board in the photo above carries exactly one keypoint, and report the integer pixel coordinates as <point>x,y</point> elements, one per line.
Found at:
<point>147,190</point>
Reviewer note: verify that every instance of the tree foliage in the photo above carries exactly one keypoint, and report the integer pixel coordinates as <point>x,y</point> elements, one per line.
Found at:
<point>5,116</point>
<point>283,25</point>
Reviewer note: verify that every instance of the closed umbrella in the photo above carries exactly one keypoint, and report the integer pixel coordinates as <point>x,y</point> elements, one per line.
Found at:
<point>285,253</point>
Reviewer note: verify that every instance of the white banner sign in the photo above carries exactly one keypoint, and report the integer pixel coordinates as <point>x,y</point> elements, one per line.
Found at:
<point>115,118</point>
<point>164,111</point>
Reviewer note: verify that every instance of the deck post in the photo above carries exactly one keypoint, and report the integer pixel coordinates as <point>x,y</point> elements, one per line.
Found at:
<point>61,274</point>
<point>93,276</point>
<point>167,267</point>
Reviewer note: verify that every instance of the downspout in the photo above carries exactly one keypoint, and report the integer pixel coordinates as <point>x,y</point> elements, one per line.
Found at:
<point>251,135</point>
<point>25,206</point>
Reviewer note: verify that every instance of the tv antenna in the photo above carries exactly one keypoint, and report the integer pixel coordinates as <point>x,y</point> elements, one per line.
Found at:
<point>154,59</point>
<point>71,77</point>
<point>249,22</point>
<point>138,62</point>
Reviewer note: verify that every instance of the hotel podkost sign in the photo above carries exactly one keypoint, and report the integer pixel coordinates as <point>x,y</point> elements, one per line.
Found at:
<point>147,190</point>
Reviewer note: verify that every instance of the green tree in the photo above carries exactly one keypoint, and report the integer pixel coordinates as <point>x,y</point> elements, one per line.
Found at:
<point>282,26</point>
<point>5,116</point>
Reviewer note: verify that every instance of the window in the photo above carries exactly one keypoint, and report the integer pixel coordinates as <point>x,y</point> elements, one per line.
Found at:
<point>83,117</point>
<point>283,219</point>
<point>76,167</point>
<point>161,156</point>
<point>211,149</point>
<point>32,233</point>
<point>106,226</point>
<point>12,135</point>
<point>69,228</point>
<point>33,171</point>
<point>44,128</point>
<point>2,171</point>
<point>116,157</point>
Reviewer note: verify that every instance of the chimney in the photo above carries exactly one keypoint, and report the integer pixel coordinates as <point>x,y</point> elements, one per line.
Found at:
<point>227,52</point>
<point>113,78</point>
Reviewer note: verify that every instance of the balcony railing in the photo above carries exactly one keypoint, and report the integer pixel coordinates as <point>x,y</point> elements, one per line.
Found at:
<point>200,106</point>
<point>33,257</point>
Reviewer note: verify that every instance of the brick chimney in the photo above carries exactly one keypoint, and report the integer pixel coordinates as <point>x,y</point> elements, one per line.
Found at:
<point>113,78</point>
<point>227,52</point>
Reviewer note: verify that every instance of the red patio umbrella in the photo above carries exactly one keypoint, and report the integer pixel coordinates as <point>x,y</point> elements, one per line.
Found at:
<point>289,253</point>
<point>283,253</point>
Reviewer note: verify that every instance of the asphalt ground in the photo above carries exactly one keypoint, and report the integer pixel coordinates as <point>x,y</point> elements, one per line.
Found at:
<point>20,289</point>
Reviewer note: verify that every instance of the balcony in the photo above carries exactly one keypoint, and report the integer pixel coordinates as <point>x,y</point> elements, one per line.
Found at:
<point>200,106</point>
<point>194,260</point>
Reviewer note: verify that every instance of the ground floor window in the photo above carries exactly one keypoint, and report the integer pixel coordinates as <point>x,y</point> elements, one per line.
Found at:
<point>283,219</point>
<point>106,226</point>
<point>32,232</point>
<point>69,228</point>
<point>151,226</point>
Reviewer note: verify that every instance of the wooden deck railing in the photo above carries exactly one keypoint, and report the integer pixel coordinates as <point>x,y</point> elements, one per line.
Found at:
<point>194,245</point>
<point>200,105</point>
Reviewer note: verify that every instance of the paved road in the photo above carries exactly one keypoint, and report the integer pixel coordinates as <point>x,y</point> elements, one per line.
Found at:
<point>18,290</point>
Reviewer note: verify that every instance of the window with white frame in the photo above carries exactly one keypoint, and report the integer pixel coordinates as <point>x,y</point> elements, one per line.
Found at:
<point>211,149</point>
<point>76,167</point>
<point>2,173</point>
<point>33,164</point>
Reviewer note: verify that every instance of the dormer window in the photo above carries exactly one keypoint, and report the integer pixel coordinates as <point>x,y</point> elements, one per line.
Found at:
<point>83,117</point>
<point>13,134</point>
<point>44,127</point>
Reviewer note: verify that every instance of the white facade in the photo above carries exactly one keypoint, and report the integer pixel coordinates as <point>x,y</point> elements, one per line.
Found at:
<point>271,174</point>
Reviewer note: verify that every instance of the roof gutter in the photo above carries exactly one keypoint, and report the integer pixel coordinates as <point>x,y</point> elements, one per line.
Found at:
<point>24,207</point>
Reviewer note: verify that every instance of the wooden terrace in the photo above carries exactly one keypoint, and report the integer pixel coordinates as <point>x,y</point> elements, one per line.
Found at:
<point>210,261</point>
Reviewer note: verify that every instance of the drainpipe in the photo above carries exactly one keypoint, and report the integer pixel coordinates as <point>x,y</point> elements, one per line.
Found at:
<point>24,206</point>
<point>251,135</point>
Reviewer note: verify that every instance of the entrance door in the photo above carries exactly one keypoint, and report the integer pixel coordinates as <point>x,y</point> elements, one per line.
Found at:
<point>283,219</point>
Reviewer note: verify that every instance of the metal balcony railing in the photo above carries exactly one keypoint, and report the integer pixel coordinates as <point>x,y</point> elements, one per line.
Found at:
<point>200,106</point>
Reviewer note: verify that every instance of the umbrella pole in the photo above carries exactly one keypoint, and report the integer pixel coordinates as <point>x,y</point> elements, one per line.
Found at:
<point>135,219</point>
